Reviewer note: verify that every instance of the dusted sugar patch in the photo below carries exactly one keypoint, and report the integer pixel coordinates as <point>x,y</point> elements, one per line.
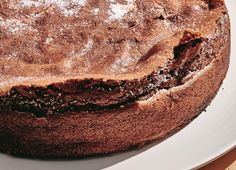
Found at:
<point>14,25</point>
<point>118,11</point>
<point>87,47</point>
<point>67,7</point>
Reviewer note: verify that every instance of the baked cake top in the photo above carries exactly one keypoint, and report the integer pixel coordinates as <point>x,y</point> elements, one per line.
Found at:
<point>46,41</point>
<point>58,56</point>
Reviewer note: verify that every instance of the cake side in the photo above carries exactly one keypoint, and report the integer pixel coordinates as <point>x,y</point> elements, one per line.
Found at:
<point>23,134</point>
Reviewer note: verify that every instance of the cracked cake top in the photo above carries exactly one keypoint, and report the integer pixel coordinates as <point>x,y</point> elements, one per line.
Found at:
<point>46,41</point>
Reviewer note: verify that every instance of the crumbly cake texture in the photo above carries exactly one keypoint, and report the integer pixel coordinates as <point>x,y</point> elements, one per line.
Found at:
<point>85,77</point>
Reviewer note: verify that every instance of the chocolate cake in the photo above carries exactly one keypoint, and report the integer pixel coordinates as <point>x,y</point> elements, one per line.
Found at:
<point>87,77</point>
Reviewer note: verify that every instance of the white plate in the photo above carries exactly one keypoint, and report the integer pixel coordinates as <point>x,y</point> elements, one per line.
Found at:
<point>209,136</point>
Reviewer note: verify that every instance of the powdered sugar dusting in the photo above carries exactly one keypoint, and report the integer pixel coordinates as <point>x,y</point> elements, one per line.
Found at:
<point>67,7</point>
<point>14,25</point>
<point>95,11</point>
<point>87,47</point>
<point>49,40</point>
<point>117,11</point>
<point>123,63</point>
<point>30,3</point>
<point>68,63</point>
